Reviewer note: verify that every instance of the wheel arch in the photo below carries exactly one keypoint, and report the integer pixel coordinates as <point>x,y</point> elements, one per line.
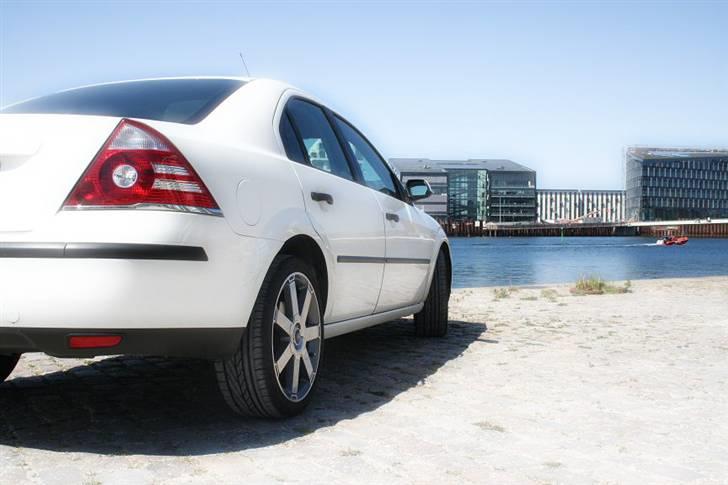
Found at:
<point>445,248</point>
<point>307,248</point>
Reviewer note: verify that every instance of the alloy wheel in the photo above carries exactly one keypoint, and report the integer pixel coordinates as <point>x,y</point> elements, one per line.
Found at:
<point>296,337</point>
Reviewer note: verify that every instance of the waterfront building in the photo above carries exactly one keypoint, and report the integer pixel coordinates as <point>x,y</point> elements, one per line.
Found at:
<point>675,183</point>
<point>558,205</point>
<point>490,190</point>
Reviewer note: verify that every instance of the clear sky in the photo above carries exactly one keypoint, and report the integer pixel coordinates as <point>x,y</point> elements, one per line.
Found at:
<point>560,87</point>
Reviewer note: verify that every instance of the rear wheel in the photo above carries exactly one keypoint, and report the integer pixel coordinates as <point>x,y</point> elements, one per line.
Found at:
<point>431,321</point>
<point>274,371</point>
<point>7,364</point>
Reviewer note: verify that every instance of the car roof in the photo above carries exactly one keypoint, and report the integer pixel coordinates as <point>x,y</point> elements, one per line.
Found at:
<point>282,86</point>
<point>245,80</point>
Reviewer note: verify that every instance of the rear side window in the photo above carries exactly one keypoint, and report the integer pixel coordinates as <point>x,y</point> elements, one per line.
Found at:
<point>322,146</point>
<point>186,101</point>
<point>290,141</point>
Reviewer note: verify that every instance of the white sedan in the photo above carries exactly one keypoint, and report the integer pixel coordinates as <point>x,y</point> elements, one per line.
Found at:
<point>230,219</point>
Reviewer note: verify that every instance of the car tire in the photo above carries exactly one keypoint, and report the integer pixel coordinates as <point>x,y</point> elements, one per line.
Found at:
<point>279,346</point>
<point>7,365</point>
<point>432,320</point>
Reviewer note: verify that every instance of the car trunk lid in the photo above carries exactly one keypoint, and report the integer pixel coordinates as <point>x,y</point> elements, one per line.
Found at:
<point>41,158</point>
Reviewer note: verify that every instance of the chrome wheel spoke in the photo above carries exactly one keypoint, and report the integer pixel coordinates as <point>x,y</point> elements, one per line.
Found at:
<point>293,299</point>
<point>310,333</point>
<point>283,322</point>
<point>307,364</point>
<point>306,306</point>
<point>282,361</point>
<point>296,375</point>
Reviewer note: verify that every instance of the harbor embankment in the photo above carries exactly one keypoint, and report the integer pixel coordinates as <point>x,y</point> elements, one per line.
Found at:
<point>697,228</point>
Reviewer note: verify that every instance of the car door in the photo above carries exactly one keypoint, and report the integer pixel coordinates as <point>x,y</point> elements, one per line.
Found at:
<point>409,242</point>
<point>344,213</point>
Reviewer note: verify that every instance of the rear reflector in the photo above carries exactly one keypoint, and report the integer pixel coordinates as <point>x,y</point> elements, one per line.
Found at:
<point>139,168</point>
<point>93,341</point>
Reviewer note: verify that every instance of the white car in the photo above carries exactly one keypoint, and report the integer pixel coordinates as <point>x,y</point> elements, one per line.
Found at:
<point>231,219</point>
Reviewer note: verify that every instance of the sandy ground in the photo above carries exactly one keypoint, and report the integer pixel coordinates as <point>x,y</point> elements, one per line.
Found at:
<point>531,386</point>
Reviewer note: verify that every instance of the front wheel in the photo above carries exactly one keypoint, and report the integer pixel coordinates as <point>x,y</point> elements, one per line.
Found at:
<point>431,321</point>
<point>7,365</point>
<point>274,371</point>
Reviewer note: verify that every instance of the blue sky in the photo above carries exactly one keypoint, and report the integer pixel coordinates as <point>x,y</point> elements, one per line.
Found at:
<point>561,87</point>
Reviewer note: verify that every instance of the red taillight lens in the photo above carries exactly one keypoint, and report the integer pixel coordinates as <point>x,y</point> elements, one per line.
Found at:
<point>139,167</point>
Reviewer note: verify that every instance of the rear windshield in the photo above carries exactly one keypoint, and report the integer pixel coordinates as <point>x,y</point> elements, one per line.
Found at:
<point>178,100</point>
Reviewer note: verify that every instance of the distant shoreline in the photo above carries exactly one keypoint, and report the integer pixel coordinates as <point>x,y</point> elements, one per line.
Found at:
<point>635,236</point>
<point>702,228</point>
<point>542,286</point>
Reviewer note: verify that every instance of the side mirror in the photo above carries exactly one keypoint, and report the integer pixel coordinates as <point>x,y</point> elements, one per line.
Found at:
<point>418,189</point>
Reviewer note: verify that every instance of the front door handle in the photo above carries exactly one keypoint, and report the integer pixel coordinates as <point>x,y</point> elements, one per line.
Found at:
<point>392,217</point>
<point>322,197</point>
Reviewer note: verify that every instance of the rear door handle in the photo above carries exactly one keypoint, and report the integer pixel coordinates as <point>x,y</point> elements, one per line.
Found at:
<point>392,217</point>
<point>322,197</point>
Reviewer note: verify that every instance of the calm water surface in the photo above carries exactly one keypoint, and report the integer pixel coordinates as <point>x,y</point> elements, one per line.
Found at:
<point>541,260</point>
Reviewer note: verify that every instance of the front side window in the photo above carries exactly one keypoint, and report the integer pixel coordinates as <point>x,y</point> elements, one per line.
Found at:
<point>374,170</point>
<point>318,137</point>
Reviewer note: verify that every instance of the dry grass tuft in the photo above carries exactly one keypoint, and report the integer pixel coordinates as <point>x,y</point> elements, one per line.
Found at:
<point>550,294</point>
<point>500,293</point>
<point>594,285</point>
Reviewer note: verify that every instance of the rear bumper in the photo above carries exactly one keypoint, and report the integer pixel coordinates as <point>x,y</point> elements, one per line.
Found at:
<point>204,343</point>
<point>101,271</point>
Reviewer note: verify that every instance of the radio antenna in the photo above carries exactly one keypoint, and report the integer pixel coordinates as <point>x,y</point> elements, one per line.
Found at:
<point>244,64</point>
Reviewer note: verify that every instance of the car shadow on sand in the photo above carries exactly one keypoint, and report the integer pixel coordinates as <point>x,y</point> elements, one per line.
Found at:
<point>171,407</point>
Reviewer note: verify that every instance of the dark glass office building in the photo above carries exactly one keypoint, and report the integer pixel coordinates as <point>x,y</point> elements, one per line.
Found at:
<point>672,184</point>
<point>479,190</point>
<point>511,193</point>
<point>467,192</point>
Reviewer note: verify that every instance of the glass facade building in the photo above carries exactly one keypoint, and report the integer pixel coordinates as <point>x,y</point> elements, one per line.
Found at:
<point>467,194</point>
<point>488,190</point>
<point>511,196</point>
<point>672,184</point>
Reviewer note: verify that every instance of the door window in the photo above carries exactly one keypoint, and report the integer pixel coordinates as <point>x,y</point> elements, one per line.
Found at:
<point>322,147</point>
<point>374,170</point>
<point>290,141</point>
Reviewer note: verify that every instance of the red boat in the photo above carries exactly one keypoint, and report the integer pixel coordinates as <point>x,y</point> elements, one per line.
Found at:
<point>672,241</point>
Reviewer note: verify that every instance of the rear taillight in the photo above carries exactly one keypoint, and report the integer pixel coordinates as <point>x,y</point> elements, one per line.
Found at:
<point>139,168</point>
